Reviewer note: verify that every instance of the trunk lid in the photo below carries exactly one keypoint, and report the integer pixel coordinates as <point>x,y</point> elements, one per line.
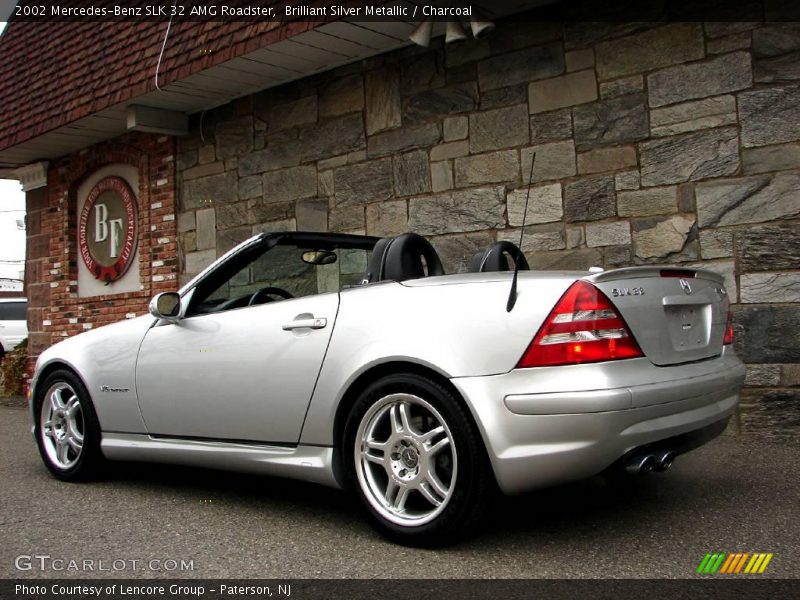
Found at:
<point>676,315</point>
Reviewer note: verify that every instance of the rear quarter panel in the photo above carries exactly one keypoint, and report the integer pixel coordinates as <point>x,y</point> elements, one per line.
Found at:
<point>456,327</point>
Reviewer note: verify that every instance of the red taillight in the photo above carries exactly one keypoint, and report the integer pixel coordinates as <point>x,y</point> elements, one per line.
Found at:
<point>728,339</point>
<point>584,327</point>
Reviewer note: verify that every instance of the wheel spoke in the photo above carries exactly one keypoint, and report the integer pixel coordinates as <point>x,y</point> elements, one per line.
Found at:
<point>425,490</point>
<point>433,479</point>
<point>62,451</point>
<point>73,406</point>
<point>391,492</point>
<point>378,460</point>
<point>76,443</point>
<point>56,403</point>
<point>428,436</point>
<point>400,500</point>
<point>438,446</point>
<point>48,429</point>
<point>398,414</point>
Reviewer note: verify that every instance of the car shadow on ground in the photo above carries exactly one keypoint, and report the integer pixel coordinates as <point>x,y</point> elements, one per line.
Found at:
<point>584,508</point>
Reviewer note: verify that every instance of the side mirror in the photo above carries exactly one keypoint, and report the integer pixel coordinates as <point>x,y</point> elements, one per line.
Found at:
<point>167,306</point>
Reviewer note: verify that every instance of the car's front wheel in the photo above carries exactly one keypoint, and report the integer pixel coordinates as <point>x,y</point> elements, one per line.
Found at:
<point>66,428</point>
<point>416,460</point>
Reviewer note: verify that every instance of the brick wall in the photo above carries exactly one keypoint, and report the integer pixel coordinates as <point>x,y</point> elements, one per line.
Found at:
<point>671,144</point>
<point>55,310</point>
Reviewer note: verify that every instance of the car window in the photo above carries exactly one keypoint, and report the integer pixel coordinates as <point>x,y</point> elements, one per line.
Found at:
<point>13,311</point>
<point>279,273</point>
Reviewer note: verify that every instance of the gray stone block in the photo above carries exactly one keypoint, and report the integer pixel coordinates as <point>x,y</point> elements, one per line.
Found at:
<point>651,49</point>
<point>716,243</point>
<point>493,167</point>
<point>499,128</point>
<point>312,215</point>
<point>601,160</point>
<point>568,90</point>
<point>643,203</point>
<point>382,99</point>
<point>412,173</point>
<point>456,250</point>
<point>234,138</point>
<point>757,288</point>
<point>770,158</point>
<point>290,184</point>
<point>770,115</point>
<point>406,138</point>
<point>441,176</point>
<point>342,96</point>
<point>551,126</point>
<point>206,229</point>
<point>555,160</point>
<point>456,128</point>
<point>430,104</point>
<point>608,234</point>
<point>329,138</point>
<point>690,157</point>
<point>530,64</point>
<point>250,187</point>
<point>663,238</point>
<point>769,248</point>
<point>612,121</point>
<point>275,156</point>
<point>693,116</point>
<point>544,204</point>
<point>292,114</point>
<point>590,199</point>
<point>364,183</point>
<point>767,334</point>
<point>748,200</point>
<point>720,75</point>
<point>622,86</point>
<point>460,211</point>
<point>209,191</point>
<point>387,218</point>
<point>538,238</point>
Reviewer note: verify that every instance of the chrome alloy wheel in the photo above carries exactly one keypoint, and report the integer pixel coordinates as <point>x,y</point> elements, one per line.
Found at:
<point>62,425</point>
<point>405,458</point>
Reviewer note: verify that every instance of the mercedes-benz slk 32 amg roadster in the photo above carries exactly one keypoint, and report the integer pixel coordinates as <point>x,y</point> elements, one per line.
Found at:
<point>355,362</point>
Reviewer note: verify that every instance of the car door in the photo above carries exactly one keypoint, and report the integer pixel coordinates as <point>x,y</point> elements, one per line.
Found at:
<point>233,371</point>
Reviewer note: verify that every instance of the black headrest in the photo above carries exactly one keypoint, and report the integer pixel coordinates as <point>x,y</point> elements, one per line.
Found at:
<point>401,258</point>
<point>498,257</point>
<point>376,260</point>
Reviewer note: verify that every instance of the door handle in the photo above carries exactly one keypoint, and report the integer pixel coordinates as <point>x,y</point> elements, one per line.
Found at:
<point>310,323</point>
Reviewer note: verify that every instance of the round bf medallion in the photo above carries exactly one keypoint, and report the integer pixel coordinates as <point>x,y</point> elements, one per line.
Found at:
<point>107,229</point>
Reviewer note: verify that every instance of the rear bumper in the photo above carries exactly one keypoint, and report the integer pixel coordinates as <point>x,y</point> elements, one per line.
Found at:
<point>547,426</point>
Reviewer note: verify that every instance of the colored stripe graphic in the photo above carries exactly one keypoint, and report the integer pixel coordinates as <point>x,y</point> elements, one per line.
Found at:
<point>723,563</point>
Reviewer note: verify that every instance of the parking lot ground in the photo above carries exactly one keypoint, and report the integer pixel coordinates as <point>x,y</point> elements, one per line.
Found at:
<point>733,495</point>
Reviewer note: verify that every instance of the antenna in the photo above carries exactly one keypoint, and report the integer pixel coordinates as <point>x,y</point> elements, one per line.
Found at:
<point>512,294</point>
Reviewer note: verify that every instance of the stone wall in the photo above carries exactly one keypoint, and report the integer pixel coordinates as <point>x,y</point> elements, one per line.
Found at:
<point>672,144</point>
<point>55,311</point>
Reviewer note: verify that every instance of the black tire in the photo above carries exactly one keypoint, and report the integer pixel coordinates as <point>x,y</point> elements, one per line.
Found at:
<point>80,465</point>
<point>469,492</point>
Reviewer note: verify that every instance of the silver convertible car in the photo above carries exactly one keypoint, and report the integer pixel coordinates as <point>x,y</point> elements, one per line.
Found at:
<point>355,362</point>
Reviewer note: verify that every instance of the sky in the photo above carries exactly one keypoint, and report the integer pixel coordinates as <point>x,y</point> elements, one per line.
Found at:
<point>12,239</point>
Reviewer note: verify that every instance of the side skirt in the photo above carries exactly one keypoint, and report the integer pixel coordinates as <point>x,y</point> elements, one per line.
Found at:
<point>308,463</point>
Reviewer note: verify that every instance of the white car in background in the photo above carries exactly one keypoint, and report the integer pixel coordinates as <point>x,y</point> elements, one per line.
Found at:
<point>13,323</point>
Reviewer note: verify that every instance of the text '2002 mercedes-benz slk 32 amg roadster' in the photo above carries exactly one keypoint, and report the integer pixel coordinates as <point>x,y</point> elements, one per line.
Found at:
<point>356,362</point>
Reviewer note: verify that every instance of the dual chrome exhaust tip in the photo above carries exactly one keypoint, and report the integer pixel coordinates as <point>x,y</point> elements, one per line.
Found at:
<point>645,463</point>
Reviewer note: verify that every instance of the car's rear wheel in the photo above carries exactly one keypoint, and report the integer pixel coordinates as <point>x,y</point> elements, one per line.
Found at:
<point>66,428</point>
<point>417,461</point>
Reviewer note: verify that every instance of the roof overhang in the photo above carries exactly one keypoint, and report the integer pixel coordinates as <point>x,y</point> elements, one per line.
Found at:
<point>326,47</point>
